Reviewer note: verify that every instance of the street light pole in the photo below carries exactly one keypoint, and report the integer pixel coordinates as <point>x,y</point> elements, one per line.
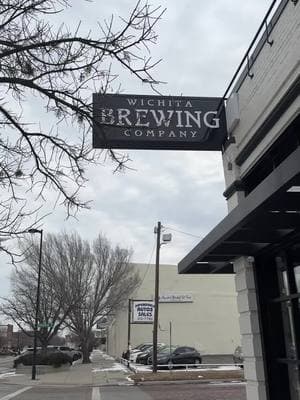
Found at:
<point>37,303</point>
<point>157,230</point>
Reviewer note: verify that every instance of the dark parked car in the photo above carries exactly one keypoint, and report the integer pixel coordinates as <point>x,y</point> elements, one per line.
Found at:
<point>178,355</point>
<point>74,354</point>
<point>50,356</point>
<point>8,352</point>
<point>143,358</point>
<point>140,348</point>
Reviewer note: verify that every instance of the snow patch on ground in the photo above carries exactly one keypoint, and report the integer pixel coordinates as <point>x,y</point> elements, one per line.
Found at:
<point>6,374</point>
<point>106,357</point>
<point>103,355</point>
<point>114,367</point>
<point>203,367</point>
<point>223,368</point>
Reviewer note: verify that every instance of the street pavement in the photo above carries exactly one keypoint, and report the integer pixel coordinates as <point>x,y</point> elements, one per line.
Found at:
<point>151,392</point>
<point>6,364</point>
<point>105,379</point>
<point>103,370</point>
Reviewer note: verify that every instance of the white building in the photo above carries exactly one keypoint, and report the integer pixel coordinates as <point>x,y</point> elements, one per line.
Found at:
<point>260,237</point>
<point>200,310</point>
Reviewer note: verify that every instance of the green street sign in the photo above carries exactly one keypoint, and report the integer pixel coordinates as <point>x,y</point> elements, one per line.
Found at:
<point>45,325</point>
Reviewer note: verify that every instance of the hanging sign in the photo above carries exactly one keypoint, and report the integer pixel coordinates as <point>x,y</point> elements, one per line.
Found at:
<point>158,122</point>
<point>142,311</point>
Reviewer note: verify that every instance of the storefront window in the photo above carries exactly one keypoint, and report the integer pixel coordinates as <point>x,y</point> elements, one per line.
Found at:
<point>288,266</point>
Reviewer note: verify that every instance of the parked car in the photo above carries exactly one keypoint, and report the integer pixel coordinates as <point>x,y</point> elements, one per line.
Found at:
<point>8,352</point>
<point>143,358</point>
<point>74,354</point>
<point>141,347</point>
<point>135,353</point>
<point>238,357</point>
<point>177,355</point>
<point>47,356</point>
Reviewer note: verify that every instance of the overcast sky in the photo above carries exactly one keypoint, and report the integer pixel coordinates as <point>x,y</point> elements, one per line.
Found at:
<point>201,43</point>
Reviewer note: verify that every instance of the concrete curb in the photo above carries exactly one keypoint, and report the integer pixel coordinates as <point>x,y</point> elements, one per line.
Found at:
<point>145,383</point>
<point>63,385</point>
<point>191,381</point>
<point>39,382</point>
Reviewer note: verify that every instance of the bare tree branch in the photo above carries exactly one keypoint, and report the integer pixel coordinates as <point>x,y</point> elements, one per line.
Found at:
<point>113,280</point>
<point>63,68</point>
<point>66,265</point>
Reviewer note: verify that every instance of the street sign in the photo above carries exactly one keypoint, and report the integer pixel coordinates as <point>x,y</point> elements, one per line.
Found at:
<point>158,122</point>
<point>45,325</point>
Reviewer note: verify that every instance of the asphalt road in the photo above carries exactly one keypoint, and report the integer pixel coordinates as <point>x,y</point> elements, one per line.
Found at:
<point>149,392</point>
<point>6,364</point>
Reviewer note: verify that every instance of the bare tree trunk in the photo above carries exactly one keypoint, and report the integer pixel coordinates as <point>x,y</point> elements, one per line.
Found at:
<point>85,347</point>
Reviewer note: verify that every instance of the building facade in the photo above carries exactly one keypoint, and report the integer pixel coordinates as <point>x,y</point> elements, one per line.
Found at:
<point>6,336</point>
<point>193,310</point>
<point>260,237</point>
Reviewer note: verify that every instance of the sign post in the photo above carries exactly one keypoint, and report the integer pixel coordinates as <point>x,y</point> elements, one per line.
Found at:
<point>139,312</point>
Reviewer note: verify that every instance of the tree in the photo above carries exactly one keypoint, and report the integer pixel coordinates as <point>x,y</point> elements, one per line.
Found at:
<point>79,285</point>
<point>62,67</point>
<point>66,270</point>
<point>113,281</point>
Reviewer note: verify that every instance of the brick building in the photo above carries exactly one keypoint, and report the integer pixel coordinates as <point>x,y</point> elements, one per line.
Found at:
<point>22,339</point>
<point>6,336</point>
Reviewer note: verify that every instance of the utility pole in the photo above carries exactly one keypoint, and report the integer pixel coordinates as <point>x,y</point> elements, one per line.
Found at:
<point>157,230</point>
<point>129,330</point>
<point>170,337</point>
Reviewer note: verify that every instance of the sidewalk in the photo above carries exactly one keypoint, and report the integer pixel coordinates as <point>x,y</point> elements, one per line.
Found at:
<point>103,370</point>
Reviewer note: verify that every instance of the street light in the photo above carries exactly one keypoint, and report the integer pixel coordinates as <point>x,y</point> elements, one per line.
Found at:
<point>37,303</point>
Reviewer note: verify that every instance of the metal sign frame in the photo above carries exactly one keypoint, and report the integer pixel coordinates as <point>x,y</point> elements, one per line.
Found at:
<point>138,319</point>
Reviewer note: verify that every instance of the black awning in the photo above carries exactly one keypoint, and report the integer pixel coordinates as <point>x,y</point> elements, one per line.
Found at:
<point>266,216</point>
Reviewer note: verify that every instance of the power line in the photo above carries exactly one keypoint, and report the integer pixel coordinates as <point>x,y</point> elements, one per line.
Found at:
<point>149,263</point>
<point>184,233</point>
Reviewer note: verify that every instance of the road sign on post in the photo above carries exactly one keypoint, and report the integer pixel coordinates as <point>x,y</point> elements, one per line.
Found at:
<point>45,325</point>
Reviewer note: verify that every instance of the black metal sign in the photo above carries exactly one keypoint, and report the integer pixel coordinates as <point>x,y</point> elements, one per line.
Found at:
<point>158,122</point>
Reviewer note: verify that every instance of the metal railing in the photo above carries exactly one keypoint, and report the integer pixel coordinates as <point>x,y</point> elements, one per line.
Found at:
<point>183,367</point>
<point>261,37</point>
